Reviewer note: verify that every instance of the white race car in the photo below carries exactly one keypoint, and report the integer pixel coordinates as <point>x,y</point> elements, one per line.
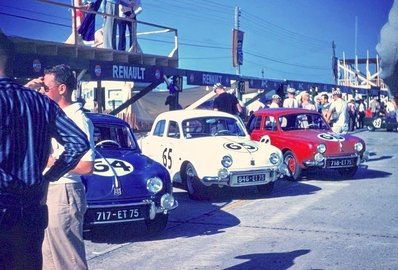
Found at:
<point>204,148</point>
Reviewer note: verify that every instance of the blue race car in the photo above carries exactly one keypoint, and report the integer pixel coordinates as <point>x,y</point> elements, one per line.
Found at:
<point>126,186</point>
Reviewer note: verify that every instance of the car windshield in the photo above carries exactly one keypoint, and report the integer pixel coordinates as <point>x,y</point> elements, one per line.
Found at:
<point>302,121</point>
<point>113,136</point>
<point>211,126</point>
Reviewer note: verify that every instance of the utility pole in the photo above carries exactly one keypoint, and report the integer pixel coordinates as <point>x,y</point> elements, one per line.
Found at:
<point>237,48</point>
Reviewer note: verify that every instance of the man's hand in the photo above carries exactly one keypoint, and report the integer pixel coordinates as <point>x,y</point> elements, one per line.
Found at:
<point>35,84</point>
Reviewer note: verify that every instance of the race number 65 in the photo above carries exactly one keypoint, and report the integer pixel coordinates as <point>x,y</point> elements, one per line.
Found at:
<point>166,157</point>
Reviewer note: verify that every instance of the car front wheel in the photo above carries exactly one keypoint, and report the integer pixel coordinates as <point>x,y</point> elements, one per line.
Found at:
<point>292,165</point>
<point>196,190</point>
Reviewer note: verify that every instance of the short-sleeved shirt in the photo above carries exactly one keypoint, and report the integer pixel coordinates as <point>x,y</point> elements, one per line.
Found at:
<point>226,103</point>
<point>75,112</point>
<point>339,107</point>
<point>290,103</point>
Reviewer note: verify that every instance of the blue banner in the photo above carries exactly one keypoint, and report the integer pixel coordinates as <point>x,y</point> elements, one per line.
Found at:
<point>124,72</point>
<point>265,84</point>
<point>209,78</point>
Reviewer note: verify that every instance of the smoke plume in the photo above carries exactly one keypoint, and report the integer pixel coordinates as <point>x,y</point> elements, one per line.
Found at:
<point>387,49</point>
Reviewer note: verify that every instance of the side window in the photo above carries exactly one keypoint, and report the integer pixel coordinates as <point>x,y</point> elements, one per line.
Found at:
<point>159,129</point>
<point>255,124</point>
<point>270,123</point>
<point>283,122</point>
<point>173,131</point>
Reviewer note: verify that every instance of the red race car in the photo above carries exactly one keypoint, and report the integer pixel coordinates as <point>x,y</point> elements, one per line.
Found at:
<point>307,141</point>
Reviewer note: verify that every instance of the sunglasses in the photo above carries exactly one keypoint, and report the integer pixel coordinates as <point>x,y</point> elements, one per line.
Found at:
<point>45,87</point>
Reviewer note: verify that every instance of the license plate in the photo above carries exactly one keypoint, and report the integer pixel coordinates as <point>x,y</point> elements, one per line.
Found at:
<point>340,163</point>
<point>242,180</point>
<point>115,215</point>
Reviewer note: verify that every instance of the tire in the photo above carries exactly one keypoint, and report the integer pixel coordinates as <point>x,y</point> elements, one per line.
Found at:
<point>266,189</point>
<point>370,128</point>
<point>292,165</point>
<point>158,224</point>
<point>348,172</point>
<point>196,190</point>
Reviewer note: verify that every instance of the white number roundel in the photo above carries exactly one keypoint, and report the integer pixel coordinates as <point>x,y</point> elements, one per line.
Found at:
<point>241,147</point>
<point>377,123</point>
<point>110,167</point>
<point>333,137</point>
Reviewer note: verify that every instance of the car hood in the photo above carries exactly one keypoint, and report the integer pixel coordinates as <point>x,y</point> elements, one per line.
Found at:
<point>122,176</point>
<point>335,143</point>
<point>242,150</point>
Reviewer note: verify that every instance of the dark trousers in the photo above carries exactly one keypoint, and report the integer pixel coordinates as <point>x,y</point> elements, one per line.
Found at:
<point>122,34</point>
<point>21,237</point>
<point>361,116</point>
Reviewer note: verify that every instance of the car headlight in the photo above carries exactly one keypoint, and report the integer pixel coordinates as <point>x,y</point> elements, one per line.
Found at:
<point>358,147</point>
<point>154,184</point>
<point>223,173</point>
<point>226,161</point>
<point>275,159</point>
<point>318,157</point>
<point>167,201</point>
<point>321,148</point>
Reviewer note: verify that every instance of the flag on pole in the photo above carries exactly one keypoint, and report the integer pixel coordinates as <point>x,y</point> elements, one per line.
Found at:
<point>237,47</point>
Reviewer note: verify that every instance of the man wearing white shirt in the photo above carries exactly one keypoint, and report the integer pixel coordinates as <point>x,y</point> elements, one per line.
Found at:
<point>340,109</point>
<point>63,245</point>
<point>290,101</point>
<point>129,12</point>
<point>275,101</point>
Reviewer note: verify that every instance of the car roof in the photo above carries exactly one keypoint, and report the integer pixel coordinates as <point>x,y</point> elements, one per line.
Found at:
<point>180,115</point>
<point>105,118</point>
<point>282,111</point>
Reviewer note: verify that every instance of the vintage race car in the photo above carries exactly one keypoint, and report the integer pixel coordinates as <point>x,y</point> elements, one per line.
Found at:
<point>380,122</point>
<point>206,149</point>
<point>307,141</point>
<point>126,185</point>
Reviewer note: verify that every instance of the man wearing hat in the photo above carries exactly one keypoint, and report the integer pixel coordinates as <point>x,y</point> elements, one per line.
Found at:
<point>291,101</point>
<point>275,101</point>
<point>340,109</point>
<point>224,101</point>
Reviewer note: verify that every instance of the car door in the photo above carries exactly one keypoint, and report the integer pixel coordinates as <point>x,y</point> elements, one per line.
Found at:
<point>254,127</point>
<point>171,148</point>
<point>152,144</point>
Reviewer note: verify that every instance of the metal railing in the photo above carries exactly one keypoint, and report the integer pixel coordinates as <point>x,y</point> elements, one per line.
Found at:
<point>148,29</point>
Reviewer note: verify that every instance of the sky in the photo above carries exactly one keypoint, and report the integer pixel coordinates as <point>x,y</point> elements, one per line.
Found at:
<point>283,39</point>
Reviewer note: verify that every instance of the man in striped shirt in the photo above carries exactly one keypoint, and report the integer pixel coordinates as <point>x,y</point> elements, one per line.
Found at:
<point>28,121</point>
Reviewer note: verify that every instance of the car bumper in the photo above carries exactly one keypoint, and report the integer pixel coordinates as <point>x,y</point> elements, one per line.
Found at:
<point>245,178</point>
<point>102,214</point>
<point>337,162</point>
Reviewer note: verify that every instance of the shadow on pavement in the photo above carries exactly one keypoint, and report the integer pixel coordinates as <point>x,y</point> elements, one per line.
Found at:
<point>272,261</point>
<point>363,173</point>
<point>202,217</point>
